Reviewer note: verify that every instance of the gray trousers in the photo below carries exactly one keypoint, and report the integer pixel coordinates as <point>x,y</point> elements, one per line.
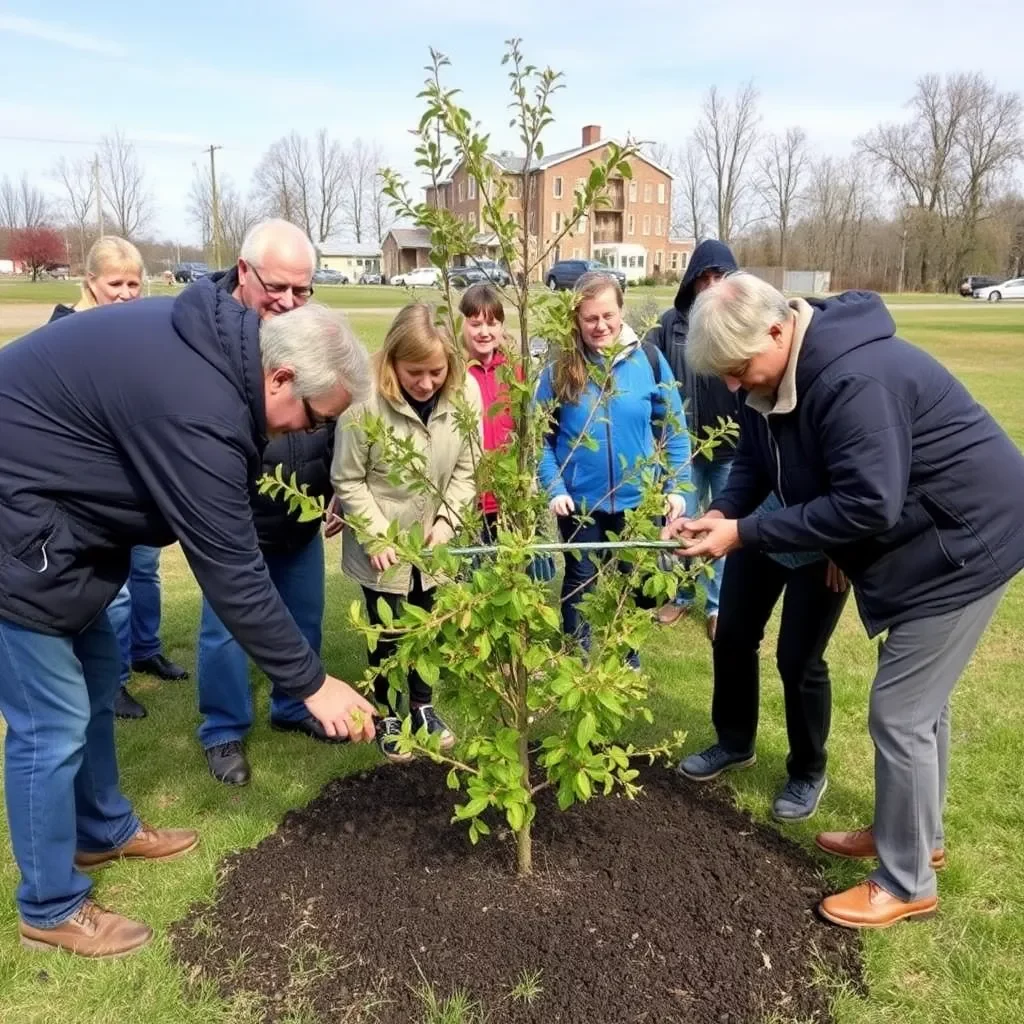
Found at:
<point>919,663</point>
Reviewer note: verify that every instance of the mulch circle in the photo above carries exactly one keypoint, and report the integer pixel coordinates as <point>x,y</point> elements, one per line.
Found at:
<point>674,907</point>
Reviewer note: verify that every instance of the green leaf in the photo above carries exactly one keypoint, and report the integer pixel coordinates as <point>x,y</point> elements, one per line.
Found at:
<point>516,816</point>
<point>586,729</point>
<point>429,670</point>
<point>582,785</point>
<point>384,612</point>
<point>453,779</point>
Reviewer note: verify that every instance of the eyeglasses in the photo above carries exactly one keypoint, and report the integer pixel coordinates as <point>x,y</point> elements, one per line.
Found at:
<point>300,294</point>
<point>314,421</point>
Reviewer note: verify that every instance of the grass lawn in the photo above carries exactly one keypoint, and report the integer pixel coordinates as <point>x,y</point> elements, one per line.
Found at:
<point>965,965</point>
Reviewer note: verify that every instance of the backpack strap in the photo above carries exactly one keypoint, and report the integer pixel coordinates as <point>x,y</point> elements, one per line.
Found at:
<point>654,358</point>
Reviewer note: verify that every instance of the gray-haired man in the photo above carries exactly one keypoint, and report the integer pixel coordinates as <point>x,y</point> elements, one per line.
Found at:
<point>881,459</point>
<point>109,444</point>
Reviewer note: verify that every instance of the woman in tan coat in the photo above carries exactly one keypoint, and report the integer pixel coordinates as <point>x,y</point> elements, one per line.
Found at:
<point>418,375</point>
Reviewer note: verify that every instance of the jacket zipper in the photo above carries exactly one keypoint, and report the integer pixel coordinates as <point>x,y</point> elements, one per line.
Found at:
<point>773,442</point>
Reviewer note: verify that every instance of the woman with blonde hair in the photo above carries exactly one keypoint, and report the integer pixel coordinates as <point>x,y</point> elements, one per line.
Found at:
<point>418,377</point>
<point>611,399</point>
<point>114,273</point>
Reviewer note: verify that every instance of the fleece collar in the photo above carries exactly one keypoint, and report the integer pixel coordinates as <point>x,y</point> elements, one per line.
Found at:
<point>786,396</point>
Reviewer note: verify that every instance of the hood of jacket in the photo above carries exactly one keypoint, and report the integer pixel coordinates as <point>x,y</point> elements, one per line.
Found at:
<point>840,325</point>
<point>226,335</point>
<point>709,255</point>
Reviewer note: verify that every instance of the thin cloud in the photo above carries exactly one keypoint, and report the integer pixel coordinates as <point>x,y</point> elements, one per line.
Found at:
<point>50,32</point>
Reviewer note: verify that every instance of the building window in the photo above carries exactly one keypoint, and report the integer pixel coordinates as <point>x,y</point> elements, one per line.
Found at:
<point>647,224</point>
<point>673,261</point>
<point>661,193</point>
<point>515,186</point>
<point>685,258</point>
<point>647,191</point>
<point>657,226</point>
<point>458,192</point>
<point>581,225</point>
<point>556,187</point>
<point>577,254</point>
<point>556,220</point>
<point>471,188</point>
<point>632,261</point>
<point>659,258</point>
<point>631,225</point>
<point>640,261</point>
<point>514,217</point>
<point>471,219</point>
<point>632,194</point>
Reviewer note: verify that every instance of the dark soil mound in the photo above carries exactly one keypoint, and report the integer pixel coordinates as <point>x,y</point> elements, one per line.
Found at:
<point>671,908</point>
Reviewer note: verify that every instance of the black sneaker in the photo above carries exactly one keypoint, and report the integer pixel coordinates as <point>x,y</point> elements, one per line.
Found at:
<point>710,763</point>
<point>126,706</point>
<point>228,764</point>
<point>425,717</point>
<point>389,729</point>
<point>161,667</point>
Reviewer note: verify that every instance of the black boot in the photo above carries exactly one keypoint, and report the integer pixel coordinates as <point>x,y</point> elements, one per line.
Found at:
<point>126,706</point>
<point>228,764</point>
<point>161,667</point>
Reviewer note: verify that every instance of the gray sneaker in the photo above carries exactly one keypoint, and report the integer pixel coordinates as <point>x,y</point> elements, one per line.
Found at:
<point>710,763</point>
<point>798,799</point>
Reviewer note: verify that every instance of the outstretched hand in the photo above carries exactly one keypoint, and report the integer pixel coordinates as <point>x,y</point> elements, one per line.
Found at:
<point>342,711</point>
<point>710,536</point>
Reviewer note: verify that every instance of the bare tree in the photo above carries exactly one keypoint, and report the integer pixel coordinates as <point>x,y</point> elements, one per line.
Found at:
<point>361,181</point>
<point>237,214</point>
<point>693,193</point>
<point>781,169</point>
<point>22,205</point>
<point>726,134</point>
<point>78,180</point>
<point>304,181</point>
<point>123,186</point>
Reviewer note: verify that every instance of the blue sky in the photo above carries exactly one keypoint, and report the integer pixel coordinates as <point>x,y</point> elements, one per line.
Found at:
<point>179,76</point>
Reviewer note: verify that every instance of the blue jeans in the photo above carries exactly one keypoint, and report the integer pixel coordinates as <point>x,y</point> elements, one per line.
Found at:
<point>709,480</point>
<point>135,612</point>
<point>225,698</point>
<point>581,570</point>
<point>60,766</point>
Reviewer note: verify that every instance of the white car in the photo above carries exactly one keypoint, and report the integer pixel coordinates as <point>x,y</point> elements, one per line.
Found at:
<point>1012,289</point>
<point>422,277</point>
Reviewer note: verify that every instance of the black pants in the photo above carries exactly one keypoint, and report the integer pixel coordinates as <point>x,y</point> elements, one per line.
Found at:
<point>751,586</point>
<point>419,691</point>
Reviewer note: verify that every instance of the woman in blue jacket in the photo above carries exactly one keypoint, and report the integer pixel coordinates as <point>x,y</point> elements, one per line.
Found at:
<point>612,401</point>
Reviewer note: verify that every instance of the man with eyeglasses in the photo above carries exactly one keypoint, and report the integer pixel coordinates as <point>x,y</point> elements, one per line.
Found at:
<point>273,276</point>
<point>108,444</point>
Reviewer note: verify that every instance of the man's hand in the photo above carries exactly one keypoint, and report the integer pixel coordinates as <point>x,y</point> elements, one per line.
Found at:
<point>440,533</point>
<point>342,711</point>
<point>384,560</point>
<point>675,506</point>
<point>835,578</point>
<point>711,536</point>
<point>332,519</point>
<point>563,505</point>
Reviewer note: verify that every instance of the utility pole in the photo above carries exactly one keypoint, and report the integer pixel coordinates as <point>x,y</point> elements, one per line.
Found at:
<point>215,207</point>
<point>99,194</point>
<point>903,260</point>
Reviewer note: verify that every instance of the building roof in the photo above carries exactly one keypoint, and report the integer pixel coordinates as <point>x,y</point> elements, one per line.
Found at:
<point>334,246</point>
<point>410,238</point>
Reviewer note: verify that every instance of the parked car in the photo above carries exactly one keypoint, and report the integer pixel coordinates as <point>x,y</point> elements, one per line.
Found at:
<point>370,278</point>
<point>969,285</point>
<point>565,273</point>
<point>58,271</point>
<point>186,273</point>
<point>421,277</point>
<point>1012,289</point>
<point>463,277</point>
<point>325,275</point>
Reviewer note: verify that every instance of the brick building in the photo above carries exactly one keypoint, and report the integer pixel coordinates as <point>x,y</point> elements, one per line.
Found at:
<point>632,233</point>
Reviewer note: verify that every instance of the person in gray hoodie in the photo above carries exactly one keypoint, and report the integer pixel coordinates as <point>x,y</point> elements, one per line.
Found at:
<point>707,401</point>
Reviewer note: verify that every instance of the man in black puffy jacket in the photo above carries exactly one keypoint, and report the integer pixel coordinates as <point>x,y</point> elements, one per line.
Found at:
<point>274,274</point>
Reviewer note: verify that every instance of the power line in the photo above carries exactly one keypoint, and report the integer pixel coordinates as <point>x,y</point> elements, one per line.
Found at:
<point>94,143</point>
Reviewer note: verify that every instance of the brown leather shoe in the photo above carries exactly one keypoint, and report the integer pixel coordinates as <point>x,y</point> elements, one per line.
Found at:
<point>91,931</point>
<point>671,612</point>
<point>868,905</point>
<point>860,845</point>
<point>149,843</point>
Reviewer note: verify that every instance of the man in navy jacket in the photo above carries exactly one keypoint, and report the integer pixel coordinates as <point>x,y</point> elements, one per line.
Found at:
<point>139,424</point>
<point>882,459</point>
